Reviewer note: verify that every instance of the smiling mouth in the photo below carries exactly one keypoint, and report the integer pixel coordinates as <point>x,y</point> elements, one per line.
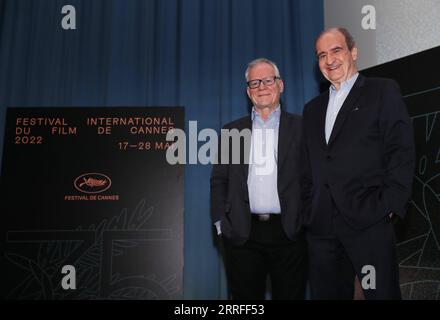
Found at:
<point>333,68</point>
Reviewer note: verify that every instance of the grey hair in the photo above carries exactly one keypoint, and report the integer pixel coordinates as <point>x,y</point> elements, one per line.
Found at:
<point>258,61</point>
<point>349,40</point>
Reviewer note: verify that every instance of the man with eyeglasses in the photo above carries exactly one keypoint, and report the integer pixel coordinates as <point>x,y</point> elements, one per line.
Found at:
<point>255,204</point>
<point>359,142</point>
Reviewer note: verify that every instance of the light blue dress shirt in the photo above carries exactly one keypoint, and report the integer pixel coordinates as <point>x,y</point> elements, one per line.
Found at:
<point>335,102</point>
<point>263,168</point>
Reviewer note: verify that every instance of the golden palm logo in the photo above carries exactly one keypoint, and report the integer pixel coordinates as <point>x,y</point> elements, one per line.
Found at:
<point>92,183</point>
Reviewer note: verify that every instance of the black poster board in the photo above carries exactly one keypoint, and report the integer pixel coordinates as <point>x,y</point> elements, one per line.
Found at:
<point>90,189</point>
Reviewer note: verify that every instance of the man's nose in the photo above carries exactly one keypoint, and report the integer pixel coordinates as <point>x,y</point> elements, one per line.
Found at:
<point>329,59</point>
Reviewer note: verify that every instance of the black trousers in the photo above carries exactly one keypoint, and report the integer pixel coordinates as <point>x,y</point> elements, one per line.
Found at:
<point>335,258</point>
<point>268,252</point>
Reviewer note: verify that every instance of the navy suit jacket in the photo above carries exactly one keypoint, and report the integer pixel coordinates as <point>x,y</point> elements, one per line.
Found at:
<point>367,167</point>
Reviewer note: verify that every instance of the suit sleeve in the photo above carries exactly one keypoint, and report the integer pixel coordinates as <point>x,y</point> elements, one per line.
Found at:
<point>399,150</point>
<point>219,185</point>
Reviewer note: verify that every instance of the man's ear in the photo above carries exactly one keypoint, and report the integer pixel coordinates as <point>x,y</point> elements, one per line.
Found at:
<point>281,84</point>
<point>354,53</point>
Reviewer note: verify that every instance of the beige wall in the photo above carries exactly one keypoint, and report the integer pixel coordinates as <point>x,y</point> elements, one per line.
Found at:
<point>403,27</point>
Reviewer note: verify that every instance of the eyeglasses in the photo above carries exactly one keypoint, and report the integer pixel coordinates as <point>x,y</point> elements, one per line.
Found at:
<point>253,84</point>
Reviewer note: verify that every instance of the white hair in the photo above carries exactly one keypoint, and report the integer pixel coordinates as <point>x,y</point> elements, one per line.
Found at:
<point>258,61</point>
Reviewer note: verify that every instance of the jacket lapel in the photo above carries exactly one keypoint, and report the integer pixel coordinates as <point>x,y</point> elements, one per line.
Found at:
<point>321,119</point>
<point>346,108</point>
<point>246,123</point>
<point>284,138</point>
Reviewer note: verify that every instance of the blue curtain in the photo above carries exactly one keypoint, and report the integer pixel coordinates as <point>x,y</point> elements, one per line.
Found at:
<point>191,53</point>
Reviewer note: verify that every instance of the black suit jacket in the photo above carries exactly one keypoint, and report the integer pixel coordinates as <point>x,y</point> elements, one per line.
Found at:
<point>229,190</point>
<point>367,166</point>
